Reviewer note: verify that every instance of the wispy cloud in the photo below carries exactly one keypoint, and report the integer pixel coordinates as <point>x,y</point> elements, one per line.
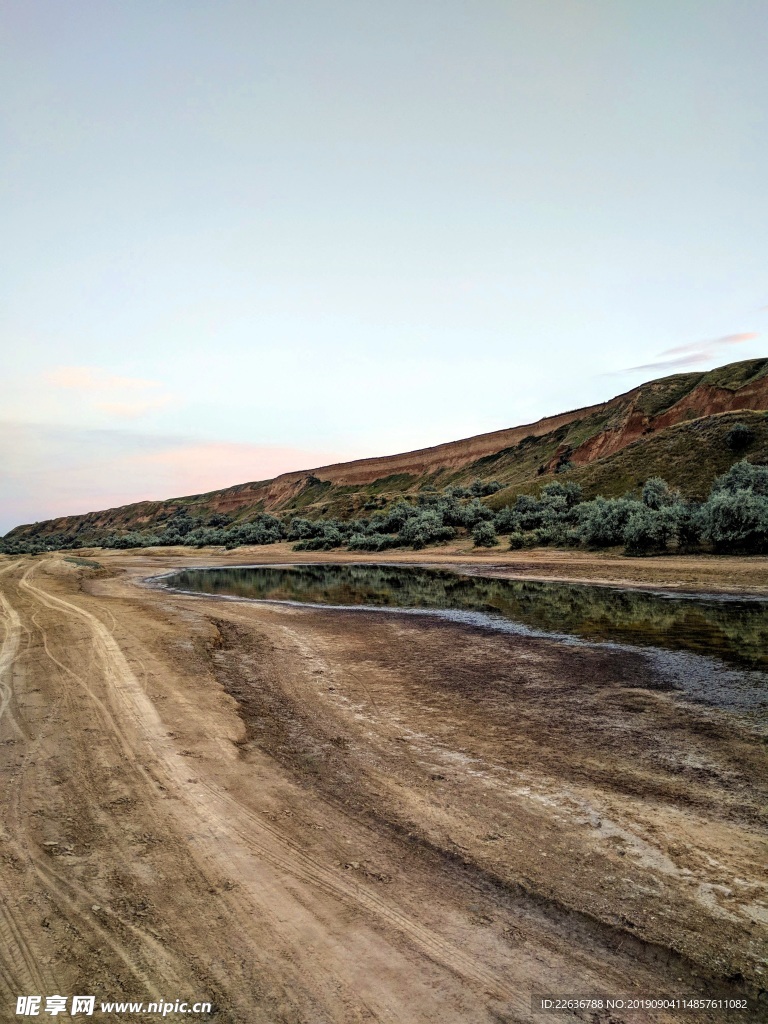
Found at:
<point>708,347</point>
<point>691,354</point>
<point>669,364</point>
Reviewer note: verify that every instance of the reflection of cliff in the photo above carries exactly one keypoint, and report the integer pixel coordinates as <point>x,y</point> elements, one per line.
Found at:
<point>610,447</point>
<point>735,631</point>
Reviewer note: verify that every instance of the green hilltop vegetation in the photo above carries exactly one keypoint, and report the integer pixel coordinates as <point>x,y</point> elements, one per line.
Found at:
<point>685,470</point>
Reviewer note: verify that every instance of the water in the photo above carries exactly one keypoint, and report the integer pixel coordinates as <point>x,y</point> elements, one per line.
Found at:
<point>733,631</point>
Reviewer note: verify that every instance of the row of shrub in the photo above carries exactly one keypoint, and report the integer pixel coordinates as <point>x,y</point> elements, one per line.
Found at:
<point>734,518</point>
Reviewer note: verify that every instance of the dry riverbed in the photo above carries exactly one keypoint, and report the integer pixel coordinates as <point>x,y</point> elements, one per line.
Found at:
<point>310,816</point>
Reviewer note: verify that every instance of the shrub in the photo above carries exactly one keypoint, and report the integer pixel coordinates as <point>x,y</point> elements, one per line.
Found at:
<point>506,520</point>
<point>205,537</point>
<point>551,534</point>
<point>602,521</point>
<point>264,529</point>
<point>516,541</point>
<point>394,518</point>
<point>218,519</point>
<point>425,528</point>
<point>689,525</point>
<point>528,512</point>
<point>474,512</point>
<point>481,488</point>
<point>649,529</point>
<point>736,521</point>
<point>371,542</point>
<point>570,492</point>
<point>130,540</point>
<point>657,493</point>
<point>301,529</point>
<point>317,544</point>
<point>183,523</point>
<point>484,535</point>
<point>739,437</point>
<point>743,476</point>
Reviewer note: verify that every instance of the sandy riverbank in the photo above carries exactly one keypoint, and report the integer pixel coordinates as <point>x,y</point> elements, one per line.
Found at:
<point>340,817</point>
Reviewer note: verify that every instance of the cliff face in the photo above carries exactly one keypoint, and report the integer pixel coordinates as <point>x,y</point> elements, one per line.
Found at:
<point>704,400</point>
<point>516,455</point>
<point>450,456</point>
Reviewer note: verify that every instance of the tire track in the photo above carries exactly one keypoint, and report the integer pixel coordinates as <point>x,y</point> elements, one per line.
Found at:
<point>123,684</point>
<point>8,657</point>
<point>20,960</point>
<point>283,855</point>
<point>69,898</point>
<point>311,871</point>
<point>65,895</point>
<point>63,892</point>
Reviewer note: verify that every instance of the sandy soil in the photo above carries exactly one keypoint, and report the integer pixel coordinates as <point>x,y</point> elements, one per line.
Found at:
<point>316,816</point>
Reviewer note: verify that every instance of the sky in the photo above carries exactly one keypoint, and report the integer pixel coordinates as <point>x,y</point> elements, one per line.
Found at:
<point>246,237</point>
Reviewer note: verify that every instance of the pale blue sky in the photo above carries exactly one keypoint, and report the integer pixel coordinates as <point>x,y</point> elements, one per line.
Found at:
<point>245,237</point>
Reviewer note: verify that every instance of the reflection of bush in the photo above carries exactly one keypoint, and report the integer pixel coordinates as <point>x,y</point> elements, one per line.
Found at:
<point>735,630</point>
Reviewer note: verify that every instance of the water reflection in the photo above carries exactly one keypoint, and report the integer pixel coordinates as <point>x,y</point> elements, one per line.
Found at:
<point>735,631</point>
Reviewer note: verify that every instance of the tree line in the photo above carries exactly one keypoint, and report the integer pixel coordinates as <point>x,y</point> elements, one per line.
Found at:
<point>733,519</point>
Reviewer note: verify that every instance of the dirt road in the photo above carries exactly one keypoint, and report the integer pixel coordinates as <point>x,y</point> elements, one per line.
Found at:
<point>310,816</point>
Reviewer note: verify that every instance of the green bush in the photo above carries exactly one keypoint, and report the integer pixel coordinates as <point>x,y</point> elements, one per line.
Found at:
<point>317,544</point>
<point>425,528</point>
<point>743,476</point>
<point>602,521</point>
<point>473,513</point>
<point>570,492</point>
<point>372,542</point>
<point>736,521</point>
<point>650,529</point>
<point>484,535</point>
<point>739,437</point>
<point>657,493</point>
<point>506,520</point>
<point>394,518</point>
<point>733,519</point>
<point>482,488</point>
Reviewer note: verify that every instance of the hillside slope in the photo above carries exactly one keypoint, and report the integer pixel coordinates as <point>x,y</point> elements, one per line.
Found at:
<point>676,426</point>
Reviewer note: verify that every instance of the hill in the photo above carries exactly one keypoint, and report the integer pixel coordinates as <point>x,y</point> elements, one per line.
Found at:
<point>678,427</point>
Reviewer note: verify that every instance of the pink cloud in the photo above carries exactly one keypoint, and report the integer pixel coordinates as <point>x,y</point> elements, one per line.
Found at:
<point>56,471</point>
<point>132,410</point>
<point>692,353</point>
<point>120,397</point>
<point>670,364</point>
<point>207,466</point>
<point>709,346</point>
<point>93,378</point>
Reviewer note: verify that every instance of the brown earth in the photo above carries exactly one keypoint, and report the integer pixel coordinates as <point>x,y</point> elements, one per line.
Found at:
<point>702,401</point>
<point>315,816</point>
